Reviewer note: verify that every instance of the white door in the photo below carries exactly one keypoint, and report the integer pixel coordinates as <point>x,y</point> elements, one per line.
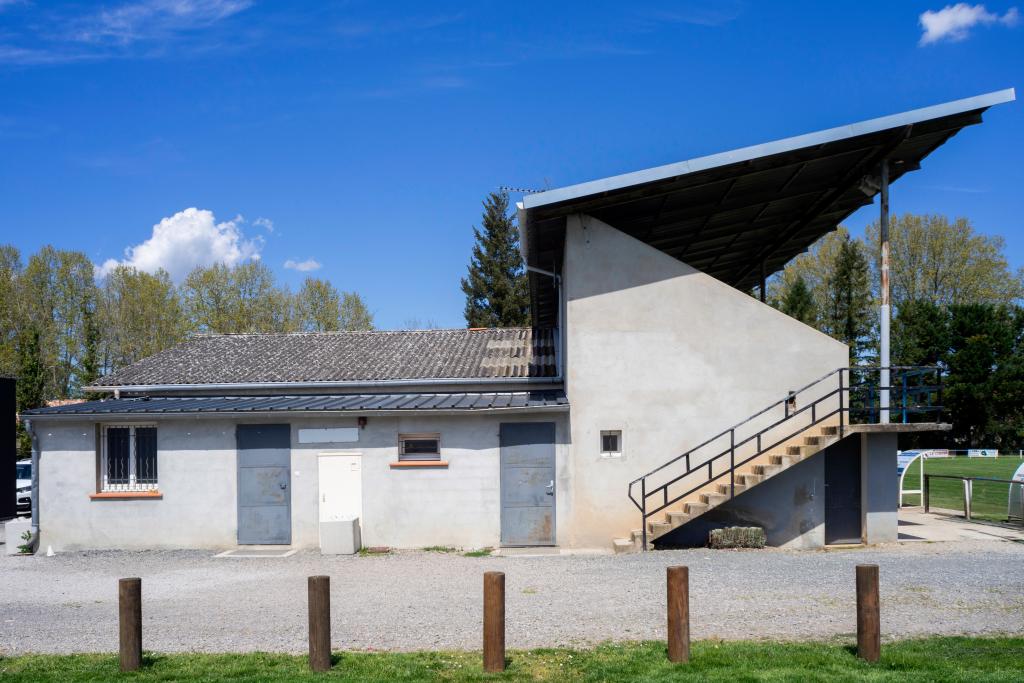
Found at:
<point>341,486</point>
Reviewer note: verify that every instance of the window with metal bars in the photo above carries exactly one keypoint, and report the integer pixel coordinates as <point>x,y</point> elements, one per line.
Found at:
<point>419,447</point>
<point>128,460</point>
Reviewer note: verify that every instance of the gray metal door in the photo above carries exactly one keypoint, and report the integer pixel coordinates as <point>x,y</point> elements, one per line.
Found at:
<point>842,493</point>
<point>264,483</point>
<point>528,483</point>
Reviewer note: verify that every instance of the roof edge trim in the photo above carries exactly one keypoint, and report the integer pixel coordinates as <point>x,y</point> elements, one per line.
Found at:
<point>323,385</point>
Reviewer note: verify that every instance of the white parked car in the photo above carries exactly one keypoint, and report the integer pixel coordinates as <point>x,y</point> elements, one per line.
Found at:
<point>24,486</point>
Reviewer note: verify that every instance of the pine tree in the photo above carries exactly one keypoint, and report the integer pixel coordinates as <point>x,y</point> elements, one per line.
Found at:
<point>798,303</point>
<point>497,294</point>
<point>89,369</point>
<point>31,386</point>
<point>848,317</point>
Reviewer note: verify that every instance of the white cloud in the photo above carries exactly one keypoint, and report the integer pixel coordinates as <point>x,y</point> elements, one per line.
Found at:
<point>302,266</point>
<point>153,19</point>
<point>264,223</point>
<point>188,239</point>
<point>954,22</point>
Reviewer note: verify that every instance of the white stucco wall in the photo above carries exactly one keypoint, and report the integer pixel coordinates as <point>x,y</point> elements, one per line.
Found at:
<point>402,507</point>
<point>670,356</point>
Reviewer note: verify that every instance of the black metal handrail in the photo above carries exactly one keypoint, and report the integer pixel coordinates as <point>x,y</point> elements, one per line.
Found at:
<point>854,388</point>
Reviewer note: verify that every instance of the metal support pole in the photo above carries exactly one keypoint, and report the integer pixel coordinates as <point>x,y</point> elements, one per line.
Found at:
<point>967,498</point>
<point>883,412</point>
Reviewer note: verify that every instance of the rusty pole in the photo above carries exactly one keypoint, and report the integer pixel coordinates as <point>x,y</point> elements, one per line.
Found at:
<point>883,379</point>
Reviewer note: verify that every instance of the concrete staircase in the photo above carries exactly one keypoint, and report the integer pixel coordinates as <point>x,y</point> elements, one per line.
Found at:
<point>747,476</point>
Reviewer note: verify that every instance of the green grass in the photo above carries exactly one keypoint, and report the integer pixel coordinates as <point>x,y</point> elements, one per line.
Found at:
<point>990,498</point>
<point>482,552</point>
<point>440,549</point>
<point>932,659</point>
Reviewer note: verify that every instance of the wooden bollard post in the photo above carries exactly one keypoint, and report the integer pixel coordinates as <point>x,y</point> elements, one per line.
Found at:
<point>129,607</point>
<point>678,614</point>
<point>494,621</point>
<point>869,633</point>
<point>320,623</point>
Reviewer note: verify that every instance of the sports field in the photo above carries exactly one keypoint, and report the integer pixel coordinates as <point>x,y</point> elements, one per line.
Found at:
<point>989,498</point>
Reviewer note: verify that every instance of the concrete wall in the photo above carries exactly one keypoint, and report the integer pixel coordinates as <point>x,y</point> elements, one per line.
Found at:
<point>670,356</point>
<point>458,505</point>
<point>880,488</point>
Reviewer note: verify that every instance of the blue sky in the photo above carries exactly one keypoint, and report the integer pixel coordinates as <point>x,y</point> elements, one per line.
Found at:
<point>362,136</point>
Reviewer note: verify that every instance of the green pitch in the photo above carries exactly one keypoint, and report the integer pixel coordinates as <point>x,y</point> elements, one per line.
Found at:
<point>990,498</point>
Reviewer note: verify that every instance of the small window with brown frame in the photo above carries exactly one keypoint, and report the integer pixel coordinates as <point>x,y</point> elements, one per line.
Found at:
<point>413,447</point>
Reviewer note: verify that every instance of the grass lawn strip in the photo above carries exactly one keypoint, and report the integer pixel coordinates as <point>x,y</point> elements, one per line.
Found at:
<point>931,659</point>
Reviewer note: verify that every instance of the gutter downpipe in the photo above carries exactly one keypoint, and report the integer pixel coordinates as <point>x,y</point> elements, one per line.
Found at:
<point>558,323</point>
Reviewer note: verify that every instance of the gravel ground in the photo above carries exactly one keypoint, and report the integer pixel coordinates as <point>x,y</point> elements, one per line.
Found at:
<point>420,600</point>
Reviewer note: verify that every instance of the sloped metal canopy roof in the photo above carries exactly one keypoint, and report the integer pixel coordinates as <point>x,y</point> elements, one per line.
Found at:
<point>728,213</point>
<point>456,402</point>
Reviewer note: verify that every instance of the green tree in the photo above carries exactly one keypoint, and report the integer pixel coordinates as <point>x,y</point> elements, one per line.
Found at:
<point>798,302</point>
<point>141,314</point>
<point>89,371</point>
<point>354,313</point>
<point>920,334</point>
<point>10,274</point>
<point>847,315</point>
<point>245,298</point>
<point>815,268</point>
<point>933,259</point>
<point>986,376</point>
<point>318,305</point>
<point>57,287</point>
<point>497,294</point>
<point>31,385</point>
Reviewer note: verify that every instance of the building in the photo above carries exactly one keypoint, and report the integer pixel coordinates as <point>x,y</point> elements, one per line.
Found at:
<point>653,399</point>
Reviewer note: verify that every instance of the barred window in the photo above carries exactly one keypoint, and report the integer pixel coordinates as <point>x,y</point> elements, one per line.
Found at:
<point>128,458</point>
<point>419,447</point>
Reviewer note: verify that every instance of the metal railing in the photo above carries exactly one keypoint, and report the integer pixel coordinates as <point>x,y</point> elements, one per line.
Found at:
<point>845,395</point>
<point>1014,492</point>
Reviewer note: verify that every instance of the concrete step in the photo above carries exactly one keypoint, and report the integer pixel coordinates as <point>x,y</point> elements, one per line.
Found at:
<point>784,460</point>
<point>695,509</point>
<point>793,450</point>
<point>751,479</point>
<point>769,470</point>
<point>659,528</point>
<point>736,490</point>
<point>623,545</point>
<point>713,499</point>
<point>832,430</point>
<point>812,440</point>
<point>677,519</point>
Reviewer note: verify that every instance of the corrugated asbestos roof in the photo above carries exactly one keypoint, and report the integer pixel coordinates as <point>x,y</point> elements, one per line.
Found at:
<point>346,357</point>
<point>729,213</point>
<point>172,405</point>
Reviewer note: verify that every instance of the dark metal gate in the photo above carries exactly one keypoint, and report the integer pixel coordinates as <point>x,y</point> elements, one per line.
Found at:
<point>527,483</point>
<point>264,499</point>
